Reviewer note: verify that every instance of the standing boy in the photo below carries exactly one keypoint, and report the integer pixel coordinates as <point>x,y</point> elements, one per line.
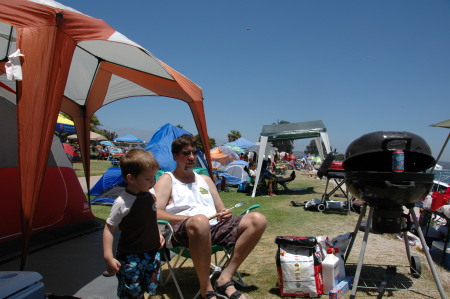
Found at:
<point>137,259</point>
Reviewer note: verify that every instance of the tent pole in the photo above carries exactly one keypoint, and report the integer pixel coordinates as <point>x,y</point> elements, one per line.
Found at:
<point>442,150</point>
<point>262,149</point>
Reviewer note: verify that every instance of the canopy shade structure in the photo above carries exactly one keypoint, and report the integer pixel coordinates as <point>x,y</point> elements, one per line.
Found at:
<point>442,124</point>
<point>243,143</point>
<point>128,139</point>
<point>76,64</point>
<point>291,131</point>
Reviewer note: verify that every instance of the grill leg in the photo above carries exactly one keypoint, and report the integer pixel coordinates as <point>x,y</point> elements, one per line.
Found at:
<point>427,254</point>
<point>355,232</point>
<point>361,254</point>
<point>408,249</point>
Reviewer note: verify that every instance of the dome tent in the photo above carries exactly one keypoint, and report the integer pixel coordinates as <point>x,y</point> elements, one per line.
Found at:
<point>62,203</point>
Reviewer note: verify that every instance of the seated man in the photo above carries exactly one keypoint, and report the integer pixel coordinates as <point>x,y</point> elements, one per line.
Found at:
<point>273,180</point>
<point>187,200</point>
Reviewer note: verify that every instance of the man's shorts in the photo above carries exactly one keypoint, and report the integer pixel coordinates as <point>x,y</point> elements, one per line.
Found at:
<point>138,273</point>
<point>224,233</point>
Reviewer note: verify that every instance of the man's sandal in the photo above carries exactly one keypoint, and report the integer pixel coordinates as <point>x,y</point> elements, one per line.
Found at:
<point>210,294</point>
<point>221,290</point>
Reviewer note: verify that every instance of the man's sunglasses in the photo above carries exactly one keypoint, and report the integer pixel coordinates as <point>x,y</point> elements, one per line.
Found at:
<point>188,153</point>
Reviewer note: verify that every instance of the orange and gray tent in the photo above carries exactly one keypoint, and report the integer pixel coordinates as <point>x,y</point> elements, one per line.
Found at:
<point>76,64</point>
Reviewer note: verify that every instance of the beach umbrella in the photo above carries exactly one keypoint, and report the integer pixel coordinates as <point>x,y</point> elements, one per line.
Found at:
<point>64,125</point>
<point>93,136</point>
<point>107,143</point>
<point>224,155</point>
<point>234,147</point>
<point>128,139</point>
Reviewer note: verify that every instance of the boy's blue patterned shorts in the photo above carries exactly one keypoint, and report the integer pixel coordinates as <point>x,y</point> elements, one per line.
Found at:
<point>138,273</point>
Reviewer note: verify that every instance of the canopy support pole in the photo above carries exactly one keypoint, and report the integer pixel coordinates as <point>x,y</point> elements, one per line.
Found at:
<point>262,149</point>
<point>442,150</point>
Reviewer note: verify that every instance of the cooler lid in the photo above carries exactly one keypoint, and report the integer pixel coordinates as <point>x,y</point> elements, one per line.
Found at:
<point>13,281</point>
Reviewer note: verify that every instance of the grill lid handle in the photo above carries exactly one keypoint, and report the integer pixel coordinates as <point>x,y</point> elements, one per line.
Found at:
<point>411,184</point>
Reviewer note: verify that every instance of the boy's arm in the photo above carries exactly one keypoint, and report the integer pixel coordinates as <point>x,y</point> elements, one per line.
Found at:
<point>112,265</point>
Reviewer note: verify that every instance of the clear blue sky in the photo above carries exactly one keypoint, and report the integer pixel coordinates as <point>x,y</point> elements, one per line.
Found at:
<point>359,66</point>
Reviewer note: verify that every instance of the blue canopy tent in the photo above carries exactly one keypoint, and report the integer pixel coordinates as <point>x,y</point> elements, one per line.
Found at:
<point>129,139</point>
<point>243,143</point>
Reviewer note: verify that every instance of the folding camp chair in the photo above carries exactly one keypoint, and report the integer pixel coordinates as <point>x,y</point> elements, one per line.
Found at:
<point>176,257</point>
<point>333,171</point>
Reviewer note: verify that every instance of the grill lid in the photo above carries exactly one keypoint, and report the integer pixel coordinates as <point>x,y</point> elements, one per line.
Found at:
<point>373,152</point>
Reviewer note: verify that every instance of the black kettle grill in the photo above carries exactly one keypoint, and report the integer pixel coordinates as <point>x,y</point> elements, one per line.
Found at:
<point>369,177</point>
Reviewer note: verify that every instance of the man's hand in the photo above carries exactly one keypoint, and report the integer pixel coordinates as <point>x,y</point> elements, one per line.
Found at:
<point>225,214</point>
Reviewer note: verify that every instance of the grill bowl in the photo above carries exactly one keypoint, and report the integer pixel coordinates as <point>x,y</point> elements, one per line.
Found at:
<point>388,188</point>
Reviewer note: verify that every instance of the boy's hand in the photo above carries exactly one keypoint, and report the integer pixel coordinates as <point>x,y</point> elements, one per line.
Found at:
<point>112,266</point>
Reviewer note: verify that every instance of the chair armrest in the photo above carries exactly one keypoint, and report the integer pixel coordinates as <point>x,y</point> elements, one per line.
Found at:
<point>250,208</point>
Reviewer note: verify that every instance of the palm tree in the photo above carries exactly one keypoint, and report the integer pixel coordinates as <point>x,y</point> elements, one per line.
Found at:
<point>234,135</point>
<point>212,143</point>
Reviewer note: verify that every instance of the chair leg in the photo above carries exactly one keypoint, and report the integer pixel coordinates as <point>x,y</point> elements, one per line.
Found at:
<point>172,273</point>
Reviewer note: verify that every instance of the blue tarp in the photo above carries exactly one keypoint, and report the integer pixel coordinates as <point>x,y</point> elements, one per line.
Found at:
<point>128,138</point>
<point>231,180</point>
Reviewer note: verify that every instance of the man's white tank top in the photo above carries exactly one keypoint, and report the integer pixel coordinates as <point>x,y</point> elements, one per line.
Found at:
<point>192,198</point>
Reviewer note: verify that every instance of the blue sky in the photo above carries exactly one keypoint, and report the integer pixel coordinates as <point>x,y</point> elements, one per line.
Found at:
<point>359,66</point>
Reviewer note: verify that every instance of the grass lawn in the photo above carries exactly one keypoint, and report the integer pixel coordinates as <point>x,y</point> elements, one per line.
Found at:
<point>259,269</point>
<point>97,168</point>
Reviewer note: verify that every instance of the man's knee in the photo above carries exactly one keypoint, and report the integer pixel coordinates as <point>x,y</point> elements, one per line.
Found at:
<point>256,220</point>
<point>198,225</point>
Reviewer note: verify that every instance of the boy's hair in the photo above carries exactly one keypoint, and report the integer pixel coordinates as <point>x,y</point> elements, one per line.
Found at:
<point>182,141</point>
<point>137,160</point>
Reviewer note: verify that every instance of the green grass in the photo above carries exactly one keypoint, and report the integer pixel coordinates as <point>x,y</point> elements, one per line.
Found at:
<point>97,168</point>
